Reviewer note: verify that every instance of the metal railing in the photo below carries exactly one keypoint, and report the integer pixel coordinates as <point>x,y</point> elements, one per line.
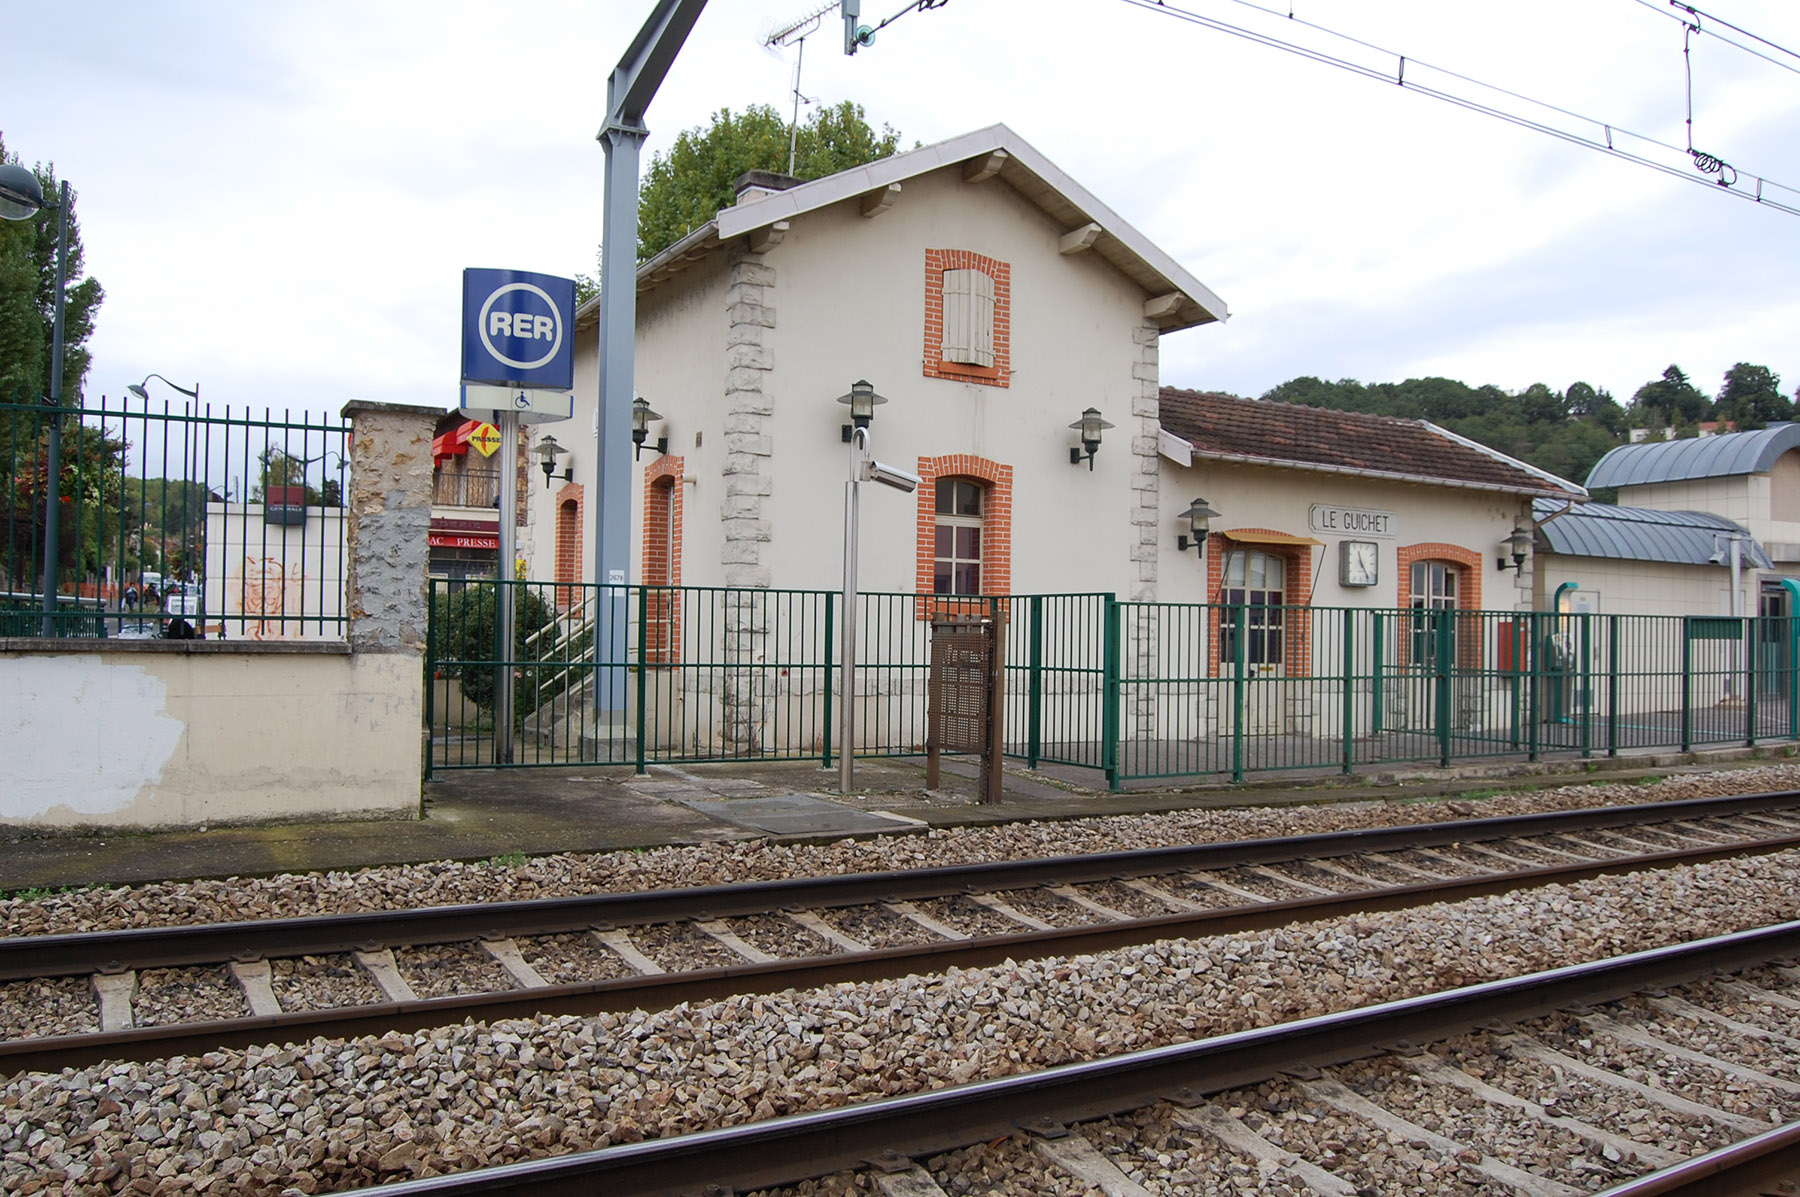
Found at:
<point>172,521</point>
<point>465,488</point>
<point>1132,691</point>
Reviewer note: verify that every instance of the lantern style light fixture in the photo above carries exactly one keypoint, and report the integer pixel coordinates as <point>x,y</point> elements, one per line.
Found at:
<point>641,415</point>
<point>1090,426</point>
<point>1518,545</point>
<point>861,401</point>
<point>547,452</point>
<point>1198,517</point>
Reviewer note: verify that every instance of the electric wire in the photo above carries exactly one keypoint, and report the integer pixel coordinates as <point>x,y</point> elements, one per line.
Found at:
<point>1695,25</point>
<point>1607,143</point>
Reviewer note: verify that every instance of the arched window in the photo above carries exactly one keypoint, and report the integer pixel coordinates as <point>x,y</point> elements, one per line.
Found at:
<point>661,560</point>
<point>568,547</point>
<point>956,560</point>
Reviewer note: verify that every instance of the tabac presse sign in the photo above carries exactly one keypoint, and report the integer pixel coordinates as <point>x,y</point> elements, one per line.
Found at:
<point>518,330</point>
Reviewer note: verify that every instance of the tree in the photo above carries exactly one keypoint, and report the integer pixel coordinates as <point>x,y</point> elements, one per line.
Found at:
<point>1752,398</point>
<point>1671,399</point>
<point>686,186</point>
<point>28,301</point>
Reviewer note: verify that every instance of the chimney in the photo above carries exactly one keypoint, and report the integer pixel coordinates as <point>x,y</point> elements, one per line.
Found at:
<point>754,184</point>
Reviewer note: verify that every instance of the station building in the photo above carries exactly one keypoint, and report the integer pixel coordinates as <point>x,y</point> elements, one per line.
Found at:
<point>992,301</point>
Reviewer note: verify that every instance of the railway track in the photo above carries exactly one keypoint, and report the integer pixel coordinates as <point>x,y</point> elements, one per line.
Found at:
<point>184,990</point>
<point>1666,1071</point>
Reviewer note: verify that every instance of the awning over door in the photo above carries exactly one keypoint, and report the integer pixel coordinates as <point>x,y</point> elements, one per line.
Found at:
<point>1248,537</point>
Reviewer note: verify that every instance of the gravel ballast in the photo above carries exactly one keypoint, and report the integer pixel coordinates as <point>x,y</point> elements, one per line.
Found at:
<point>566,875</point>
<point>330,1115</point>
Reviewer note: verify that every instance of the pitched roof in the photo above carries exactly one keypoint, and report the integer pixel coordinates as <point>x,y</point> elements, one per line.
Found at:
<point>1012,160</point>
<point>1641,534</point>
<point>1225,428</point>
<point>1698,457</point>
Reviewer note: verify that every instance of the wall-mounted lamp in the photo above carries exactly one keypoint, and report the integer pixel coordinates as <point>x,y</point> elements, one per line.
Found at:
<point>547,453</point>
<point>1517,546</point>
<point>1198,517</point>
<point>861,401</point>
<point>1090,426</point>
<point>641,415</point>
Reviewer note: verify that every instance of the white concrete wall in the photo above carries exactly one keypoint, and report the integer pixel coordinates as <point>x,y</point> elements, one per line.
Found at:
<point>151,735</point>
<point>256,570</point>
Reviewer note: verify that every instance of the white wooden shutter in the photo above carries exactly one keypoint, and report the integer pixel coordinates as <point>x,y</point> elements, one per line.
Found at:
<point>968,317</point>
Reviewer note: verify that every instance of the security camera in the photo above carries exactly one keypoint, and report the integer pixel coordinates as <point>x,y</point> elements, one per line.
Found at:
<point>887,475</point>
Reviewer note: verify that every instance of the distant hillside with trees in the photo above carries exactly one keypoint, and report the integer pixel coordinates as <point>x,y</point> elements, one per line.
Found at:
<point>1565,431</point>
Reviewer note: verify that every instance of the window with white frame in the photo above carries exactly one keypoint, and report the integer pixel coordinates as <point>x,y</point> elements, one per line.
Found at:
<point>956,566</point>
<point>968,317</point>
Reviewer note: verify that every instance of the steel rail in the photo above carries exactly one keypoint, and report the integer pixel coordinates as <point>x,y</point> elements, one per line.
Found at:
<point>786,1150</point>
<point>51,1053</point>
<point>29,957</point>
<point>1752,1168</point>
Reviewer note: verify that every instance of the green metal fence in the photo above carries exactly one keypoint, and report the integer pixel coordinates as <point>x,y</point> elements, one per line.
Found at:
<point>171,519</point>
<point>1131,691</point>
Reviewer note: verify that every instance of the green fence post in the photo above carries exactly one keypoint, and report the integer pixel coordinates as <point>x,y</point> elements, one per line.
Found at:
<point>1587,685</point>
<point>1034,697</point>
<point>1378,649</point>
<point>1443,658</point>
<point>1612,686</point>
<point>1534,682</point>
<point>1109,716</point>
<point>1687,688</point>
<point>1349,690</point>
<point>1752,630</point>
<point>830,648</point>
<point>431,656</point>
<point>643,671</point>
<point>1239,689</point>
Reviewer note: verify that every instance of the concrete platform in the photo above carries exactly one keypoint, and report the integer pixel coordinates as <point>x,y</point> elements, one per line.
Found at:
<point>483,813</point>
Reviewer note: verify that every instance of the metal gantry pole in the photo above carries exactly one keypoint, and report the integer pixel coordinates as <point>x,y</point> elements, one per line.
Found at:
<point>53,484</point>
<point>859,449</point>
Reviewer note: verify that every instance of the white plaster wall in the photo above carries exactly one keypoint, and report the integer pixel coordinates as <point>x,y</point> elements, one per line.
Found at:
<point>1644,587</point>
<point>158,737</point>
<point>293,569</point>
<point>850,297</point>
<point>1280,501</point>
<point>1729,497</point>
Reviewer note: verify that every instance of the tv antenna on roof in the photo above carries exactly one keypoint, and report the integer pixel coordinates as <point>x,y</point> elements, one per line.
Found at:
<point>795,33</point>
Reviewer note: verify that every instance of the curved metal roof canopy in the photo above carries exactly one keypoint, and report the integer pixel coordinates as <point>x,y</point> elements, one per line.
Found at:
<point>1701,457</point>
<point>1642,534</point>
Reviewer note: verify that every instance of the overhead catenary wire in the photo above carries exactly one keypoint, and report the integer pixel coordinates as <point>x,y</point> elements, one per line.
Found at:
<point>1604,137</point>
<point>1695,25</point>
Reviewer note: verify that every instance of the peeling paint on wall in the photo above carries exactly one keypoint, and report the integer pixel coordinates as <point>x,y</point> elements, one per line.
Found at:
<point>81,734</point>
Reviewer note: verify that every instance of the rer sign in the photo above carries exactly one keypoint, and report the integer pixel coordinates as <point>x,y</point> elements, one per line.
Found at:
<point>518,329</point>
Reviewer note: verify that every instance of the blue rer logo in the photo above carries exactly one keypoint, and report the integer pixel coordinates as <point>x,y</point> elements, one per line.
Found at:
<point>521,326</point>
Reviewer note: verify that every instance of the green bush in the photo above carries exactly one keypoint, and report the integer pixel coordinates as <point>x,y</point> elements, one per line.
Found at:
<point>464,645</point>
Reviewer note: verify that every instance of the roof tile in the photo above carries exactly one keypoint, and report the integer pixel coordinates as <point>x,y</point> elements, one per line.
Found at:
<point>1225,426</point>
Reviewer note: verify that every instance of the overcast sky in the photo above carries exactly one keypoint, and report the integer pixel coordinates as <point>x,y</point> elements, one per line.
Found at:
<point>280,199</point>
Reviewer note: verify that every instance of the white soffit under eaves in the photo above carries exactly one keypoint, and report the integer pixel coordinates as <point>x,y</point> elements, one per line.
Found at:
<point>860,180</point>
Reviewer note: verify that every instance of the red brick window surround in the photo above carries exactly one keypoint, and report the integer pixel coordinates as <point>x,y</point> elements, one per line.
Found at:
<point>571,502</point>
<point>1466,564</point>
<point>937,262</point>
<point>661,563</point>
<point>996,482</point>
<point>1296,600</point>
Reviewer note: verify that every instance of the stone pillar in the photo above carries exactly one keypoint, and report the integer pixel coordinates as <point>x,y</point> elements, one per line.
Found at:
<point>390,523</point>
<point>1146,521</point>
<point>748,483</point>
